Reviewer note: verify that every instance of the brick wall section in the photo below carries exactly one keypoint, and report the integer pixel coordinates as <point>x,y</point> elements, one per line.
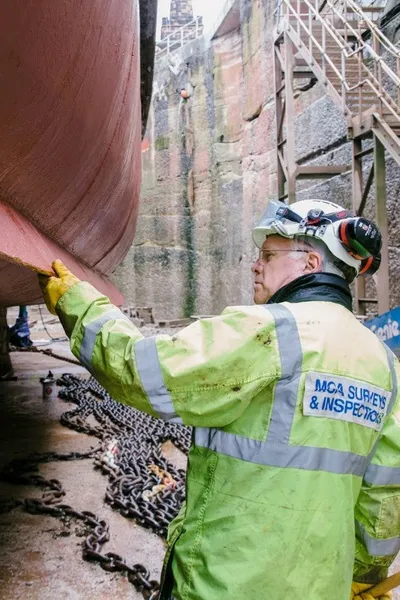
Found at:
<point>209,169</point>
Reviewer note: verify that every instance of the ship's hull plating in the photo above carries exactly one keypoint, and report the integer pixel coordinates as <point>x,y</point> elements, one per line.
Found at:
<point>70,128</point>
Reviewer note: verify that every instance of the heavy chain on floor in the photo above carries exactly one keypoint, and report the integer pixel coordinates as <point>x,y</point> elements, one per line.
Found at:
<point>143,485</point>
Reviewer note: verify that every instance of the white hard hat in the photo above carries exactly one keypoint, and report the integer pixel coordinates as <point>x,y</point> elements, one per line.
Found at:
<point>321,220</point>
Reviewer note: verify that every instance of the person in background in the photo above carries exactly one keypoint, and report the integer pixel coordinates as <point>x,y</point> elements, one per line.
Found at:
<point>19,333</point>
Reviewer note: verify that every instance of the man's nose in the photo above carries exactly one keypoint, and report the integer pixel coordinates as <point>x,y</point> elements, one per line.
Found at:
<point>256,266</point>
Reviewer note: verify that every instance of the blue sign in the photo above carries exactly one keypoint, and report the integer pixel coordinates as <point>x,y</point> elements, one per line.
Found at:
<point>387,328</point>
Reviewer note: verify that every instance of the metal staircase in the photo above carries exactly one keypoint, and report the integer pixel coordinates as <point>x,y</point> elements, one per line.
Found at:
<point>339,43</point>
<point>180,37</point>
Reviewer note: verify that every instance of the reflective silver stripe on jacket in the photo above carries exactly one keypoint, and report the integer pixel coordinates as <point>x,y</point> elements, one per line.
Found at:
<point>276,451</point>
<point>287,388</point>
<point>376,474</point>
<point>151,377</point>
<point>91,332</point>
<point>380,475</point>
<point>378,547</point>
<point>280,455</point>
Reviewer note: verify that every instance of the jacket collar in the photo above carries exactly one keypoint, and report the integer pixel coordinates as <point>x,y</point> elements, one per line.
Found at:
<point>323,287</point>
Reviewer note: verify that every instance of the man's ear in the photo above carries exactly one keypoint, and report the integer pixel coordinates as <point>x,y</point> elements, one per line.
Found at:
<point>313,263</point>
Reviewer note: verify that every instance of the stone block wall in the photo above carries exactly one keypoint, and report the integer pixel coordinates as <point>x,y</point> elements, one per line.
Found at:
<point>209,169</point>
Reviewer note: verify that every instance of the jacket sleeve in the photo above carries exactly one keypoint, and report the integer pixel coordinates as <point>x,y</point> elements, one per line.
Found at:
<point>377,510</point>
<point>205,375</point>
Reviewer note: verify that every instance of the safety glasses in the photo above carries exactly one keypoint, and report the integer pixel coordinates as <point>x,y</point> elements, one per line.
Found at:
<point>264,255</point>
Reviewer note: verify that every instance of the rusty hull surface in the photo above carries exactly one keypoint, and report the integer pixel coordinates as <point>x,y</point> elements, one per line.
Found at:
<point>70,128</point>
<point>23,243</point>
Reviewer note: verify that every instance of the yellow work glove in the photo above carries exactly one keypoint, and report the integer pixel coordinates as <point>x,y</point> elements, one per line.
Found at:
<point>359,591</point>
<point>55,287</point>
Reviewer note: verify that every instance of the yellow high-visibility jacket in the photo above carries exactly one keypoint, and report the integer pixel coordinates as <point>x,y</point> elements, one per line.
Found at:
<point>293,482</point>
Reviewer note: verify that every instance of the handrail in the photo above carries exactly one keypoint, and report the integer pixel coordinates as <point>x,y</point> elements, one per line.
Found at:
<point>383,39</point>
<point>173,41</point>
<point>351,52</point>
<point>363,45</point>
<point>371,25</point>
<point>331,63</point>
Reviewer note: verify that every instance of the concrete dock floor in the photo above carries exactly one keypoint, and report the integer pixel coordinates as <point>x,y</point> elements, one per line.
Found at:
<point>41,557</point>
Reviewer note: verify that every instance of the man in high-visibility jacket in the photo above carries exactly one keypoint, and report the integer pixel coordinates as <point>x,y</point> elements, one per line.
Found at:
<point>293,482</point>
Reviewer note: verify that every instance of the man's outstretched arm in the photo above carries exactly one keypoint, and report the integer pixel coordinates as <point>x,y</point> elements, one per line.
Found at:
<point>206,375</point>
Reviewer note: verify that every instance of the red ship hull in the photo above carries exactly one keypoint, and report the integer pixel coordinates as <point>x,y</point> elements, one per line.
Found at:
<point>70,130</point>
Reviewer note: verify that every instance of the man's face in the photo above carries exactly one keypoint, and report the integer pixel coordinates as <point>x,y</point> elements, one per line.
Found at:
<point>276,267</point>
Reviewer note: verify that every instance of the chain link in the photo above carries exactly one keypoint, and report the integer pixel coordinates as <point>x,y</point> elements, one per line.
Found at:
<point>142,484</point>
